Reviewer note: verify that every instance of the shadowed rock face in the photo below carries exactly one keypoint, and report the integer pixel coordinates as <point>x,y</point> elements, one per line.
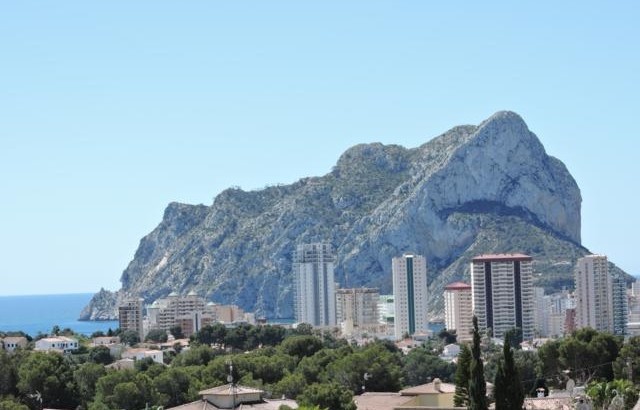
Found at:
<point>490,188</point>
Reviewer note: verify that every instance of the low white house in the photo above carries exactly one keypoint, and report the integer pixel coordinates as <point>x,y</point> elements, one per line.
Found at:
<point>139,354</point>
<point>62,344</point>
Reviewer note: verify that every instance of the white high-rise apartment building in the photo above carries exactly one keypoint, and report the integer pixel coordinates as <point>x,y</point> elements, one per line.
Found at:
<point>502,289</point>
<point>410,294</point>
<point>458,312</point>
<point>600,296</point>
<point>315,289</point>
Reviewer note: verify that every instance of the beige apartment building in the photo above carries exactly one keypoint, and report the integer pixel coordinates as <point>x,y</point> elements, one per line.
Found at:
<point>130,316</point>
<point>458,309</point>
<point>357,308</point>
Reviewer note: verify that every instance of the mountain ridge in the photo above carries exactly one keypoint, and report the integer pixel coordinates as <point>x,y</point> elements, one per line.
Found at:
<point>378,201</point>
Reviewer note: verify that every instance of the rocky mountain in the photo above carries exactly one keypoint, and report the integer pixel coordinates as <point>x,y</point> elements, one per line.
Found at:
<point>474,189</point>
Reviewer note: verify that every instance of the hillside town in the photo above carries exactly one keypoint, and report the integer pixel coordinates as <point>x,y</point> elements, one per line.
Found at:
<point>498,313</point>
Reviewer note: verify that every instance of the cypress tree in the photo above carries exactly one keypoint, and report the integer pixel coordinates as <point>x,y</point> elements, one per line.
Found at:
<point>477,385</point>
<point>507,387</point>
<point>461,396</point>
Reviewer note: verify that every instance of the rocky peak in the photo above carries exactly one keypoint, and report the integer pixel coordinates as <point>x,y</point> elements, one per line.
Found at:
<point>475,189</point>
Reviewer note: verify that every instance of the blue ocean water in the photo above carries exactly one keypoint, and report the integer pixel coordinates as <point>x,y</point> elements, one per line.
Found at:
<point>35,314</point>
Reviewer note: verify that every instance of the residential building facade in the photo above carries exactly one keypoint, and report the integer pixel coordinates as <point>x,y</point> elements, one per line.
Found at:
<point>130,316</point>
<point>410,294</point>
<point>601,301</point>
<point>357,308</point>
<point>315,289</point>
<point>458,309</point>
<point>502,293</point>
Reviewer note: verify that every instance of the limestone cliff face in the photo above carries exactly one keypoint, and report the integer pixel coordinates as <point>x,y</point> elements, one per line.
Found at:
<point>490,188</point>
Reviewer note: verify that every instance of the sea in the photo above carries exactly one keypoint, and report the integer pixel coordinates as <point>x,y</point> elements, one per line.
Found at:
<point>34,314</point>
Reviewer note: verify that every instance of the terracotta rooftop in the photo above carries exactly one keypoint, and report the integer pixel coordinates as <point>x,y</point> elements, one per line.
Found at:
<point>502,257</point>
<point>458,286</point>
<point>429,388</point>
<point>379,401</point>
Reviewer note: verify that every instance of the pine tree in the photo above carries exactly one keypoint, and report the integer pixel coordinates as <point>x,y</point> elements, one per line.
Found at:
<point>461,396</point>
<point>477,385</point>
<point>507,387</point>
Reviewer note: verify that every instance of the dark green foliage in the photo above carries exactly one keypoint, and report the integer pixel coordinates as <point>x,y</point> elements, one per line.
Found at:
<point>195,356</point>
<point>8,374</point>
<point>176,332</point>
<point>173,386</point>
<point>327,396</point>
<point>209,335</point>
<point>100,354</point>
<point>301,345</point>
<point>462,376</point>
<point>477,384</point>
<point>157,336</point>
<point>290,386</point>
<point>49,375</point>
<point>507,388</point>
<point>589,354</point>
<point>383,367</point>
<point>447,336</point>
<point>11,403</point>
<point>420,366</point>
<point>129,337</point>
<point>627,365</point>
<point>86,377</point>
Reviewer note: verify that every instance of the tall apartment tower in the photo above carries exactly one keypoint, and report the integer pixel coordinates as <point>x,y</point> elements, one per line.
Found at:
<point>502,289</point>
<point>359,306</point>
<point>315,289</point>
<point>600,296</point>
<point>130,316</point>
<point>410,294</point>
<point>458,312</point>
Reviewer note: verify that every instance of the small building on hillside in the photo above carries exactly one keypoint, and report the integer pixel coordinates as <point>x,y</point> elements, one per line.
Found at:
<point>234,396</point>
<point>430,396</point>
<point>141,353</point>
<point>62,344</point>
<point>11,343</point>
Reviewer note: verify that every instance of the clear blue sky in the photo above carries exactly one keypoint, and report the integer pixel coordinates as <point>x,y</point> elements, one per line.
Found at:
<point>111,110</point>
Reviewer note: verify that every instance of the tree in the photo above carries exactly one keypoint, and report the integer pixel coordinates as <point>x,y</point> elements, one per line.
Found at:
<point>290,386</point>
<point>448,336</point>
<point>173,387</point>
<point>129,337</point>
<point>176,331</point>
<point>420,365</point>
<point>616,394</point>
<point>301,346</point>
<point>507,387</point>
<point>10,403</point>
<point>589,354</point>
<point>8,374</point>
<point>86,376</point>
<point>50,377</point>
<point>209,335</point>
<point>628,360</point>
<point>477,384</point>
<point>327,396</point>
<point>101,355</point>
<point>462,376</point>
<point>199,355</point>
<point>383,367</point>
<point>157,336</point>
